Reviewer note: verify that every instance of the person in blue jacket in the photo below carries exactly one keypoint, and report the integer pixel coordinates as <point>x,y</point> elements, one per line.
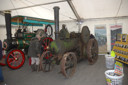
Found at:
<point>1,75</point>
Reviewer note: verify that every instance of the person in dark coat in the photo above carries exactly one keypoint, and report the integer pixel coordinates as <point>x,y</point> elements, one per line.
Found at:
<point>34,50</point>
<point>1,75</point>
<point>1,55</point>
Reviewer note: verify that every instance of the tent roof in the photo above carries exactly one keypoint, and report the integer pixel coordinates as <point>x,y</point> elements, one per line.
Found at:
<point>87,9</point>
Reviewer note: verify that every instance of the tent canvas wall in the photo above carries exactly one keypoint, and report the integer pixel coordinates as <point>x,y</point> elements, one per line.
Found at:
<point>92,13</point>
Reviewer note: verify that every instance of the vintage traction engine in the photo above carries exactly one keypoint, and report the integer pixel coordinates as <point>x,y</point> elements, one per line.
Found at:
<point>69,48</point>
<point>16,47</point>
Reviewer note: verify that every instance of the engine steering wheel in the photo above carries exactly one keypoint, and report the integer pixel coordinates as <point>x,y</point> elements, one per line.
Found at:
<point>49,30</point>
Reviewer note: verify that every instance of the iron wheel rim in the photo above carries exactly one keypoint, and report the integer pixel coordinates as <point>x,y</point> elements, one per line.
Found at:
<point>15,59</point>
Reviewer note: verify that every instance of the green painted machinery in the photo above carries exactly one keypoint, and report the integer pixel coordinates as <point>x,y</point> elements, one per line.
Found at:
<point>69,49</point>
<point>17,47</point>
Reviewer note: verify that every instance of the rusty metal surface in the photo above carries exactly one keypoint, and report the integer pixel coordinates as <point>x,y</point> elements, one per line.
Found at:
<point>85,34</point>
<point>46,61</point>
<point>76,43</point>
<point>68,64</point>
<point>92,51</point>
<point>62,46</point>
<point>74,35</point>
<point>74,49</point>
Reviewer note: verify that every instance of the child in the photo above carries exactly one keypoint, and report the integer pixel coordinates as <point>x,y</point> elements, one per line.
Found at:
<point>34,50</point>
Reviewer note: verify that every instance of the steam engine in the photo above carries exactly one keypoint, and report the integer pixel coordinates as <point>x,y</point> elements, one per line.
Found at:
<point>20,41</point>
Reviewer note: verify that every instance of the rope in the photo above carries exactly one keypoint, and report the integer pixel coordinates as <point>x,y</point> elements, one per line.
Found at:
<point>119,8</point>
<point>14,6</point>
<point>16,11</point>
<point>52,10</point>
<point>30,8</point>
<point>118,11</point>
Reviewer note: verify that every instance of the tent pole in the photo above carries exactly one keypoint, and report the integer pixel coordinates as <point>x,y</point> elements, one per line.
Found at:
<point>74,10</point>
<point>79,27</point>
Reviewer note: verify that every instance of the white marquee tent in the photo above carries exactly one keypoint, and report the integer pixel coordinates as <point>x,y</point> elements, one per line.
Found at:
<point>86,9</point>
<point>90,12</point>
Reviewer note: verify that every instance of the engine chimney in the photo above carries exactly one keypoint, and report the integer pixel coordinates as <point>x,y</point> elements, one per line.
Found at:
<point>8,24</point>
<point>56,19</point>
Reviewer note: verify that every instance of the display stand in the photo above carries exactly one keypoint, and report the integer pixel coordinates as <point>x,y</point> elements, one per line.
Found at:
<point>121,48</point>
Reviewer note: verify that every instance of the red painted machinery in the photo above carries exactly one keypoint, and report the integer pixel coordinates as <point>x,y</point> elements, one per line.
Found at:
<point>16,47</point>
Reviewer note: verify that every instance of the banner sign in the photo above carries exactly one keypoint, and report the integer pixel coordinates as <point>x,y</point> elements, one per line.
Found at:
<point>115,29</point>
<point>100,35</point>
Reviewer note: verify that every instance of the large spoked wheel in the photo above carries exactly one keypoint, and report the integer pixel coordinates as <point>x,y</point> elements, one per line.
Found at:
<point>46,61</point>
<point>68,64</point>
<point>49,30</point>
<point>92,51</point>
<point>46,42</point>
<point>15,59</point>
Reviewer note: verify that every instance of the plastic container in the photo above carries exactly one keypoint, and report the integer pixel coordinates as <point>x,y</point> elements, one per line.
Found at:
<point>113,79</point>
<point>110,61</point>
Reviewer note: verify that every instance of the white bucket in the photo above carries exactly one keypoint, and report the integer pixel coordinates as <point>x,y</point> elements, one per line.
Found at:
<point>110,61</point>
<point>113,80</point>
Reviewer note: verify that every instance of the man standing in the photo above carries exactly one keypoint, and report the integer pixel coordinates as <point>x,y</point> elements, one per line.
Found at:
<point>34,50</point>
